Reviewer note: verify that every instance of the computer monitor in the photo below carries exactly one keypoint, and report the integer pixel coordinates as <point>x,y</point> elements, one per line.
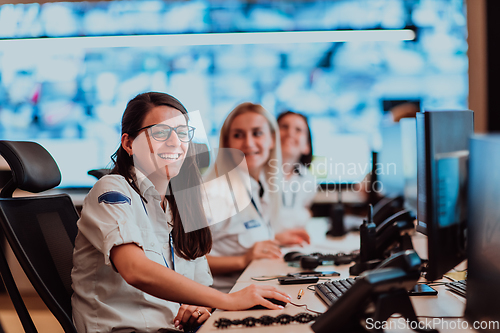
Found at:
<point>340,158</point>
<point>483,231</point>
<point>389,167</point>
<point>409,157</point>
<point>442,156</point>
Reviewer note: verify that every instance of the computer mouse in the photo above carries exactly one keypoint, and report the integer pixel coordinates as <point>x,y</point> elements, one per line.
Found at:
<point>310,262</point>
<point>293,256</point>
<point>272,300</point>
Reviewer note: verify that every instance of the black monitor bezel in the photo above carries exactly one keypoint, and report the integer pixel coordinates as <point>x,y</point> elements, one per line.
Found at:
<point>446,246</point>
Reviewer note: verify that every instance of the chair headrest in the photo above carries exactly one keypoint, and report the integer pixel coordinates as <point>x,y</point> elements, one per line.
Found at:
<point>33,168</point>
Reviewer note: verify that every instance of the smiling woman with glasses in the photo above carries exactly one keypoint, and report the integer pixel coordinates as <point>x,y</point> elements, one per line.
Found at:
<point>133,263</point>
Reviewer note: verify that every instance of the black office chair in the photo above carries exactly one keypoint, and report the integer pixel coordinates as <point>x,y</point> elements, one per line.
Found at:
<point>98,173</point>
<point>202,156</point>
<point>41,231</point>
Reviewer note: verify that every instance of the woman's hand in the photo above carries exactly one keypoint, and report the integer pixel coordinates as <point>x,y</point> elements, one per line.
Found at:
<point>256,295</point>
<point>265,249</point>
<point>295,236</point>
<point>191,316</point>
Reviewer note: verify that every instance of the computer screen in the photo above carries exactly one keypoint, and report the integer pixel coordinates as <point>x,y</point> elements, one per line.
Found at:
<point>442,157</point>
<point>483,230</point>
<point>389,168</point>
<point>60,80</point>
<point>409,156</point>
<point>340,159</point>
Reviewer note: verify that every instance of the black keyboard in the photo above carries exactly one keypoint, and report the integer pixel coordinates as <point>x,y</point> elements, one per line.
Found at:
<point>458,287</point>
<point>330,291</point>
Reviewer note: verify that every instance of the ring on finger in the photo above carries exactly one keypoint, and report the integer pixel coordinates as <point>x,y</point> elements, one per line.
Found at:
<point>199,313</point>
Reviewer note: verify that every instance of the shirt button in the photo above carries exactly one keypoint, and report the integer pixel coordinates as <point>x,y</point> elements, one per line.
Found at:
<point>152,244</point>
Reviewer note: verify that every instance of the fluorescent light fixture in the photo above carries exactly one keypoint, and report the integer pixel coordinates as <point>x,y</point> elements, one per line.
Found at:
<point>209,39</point>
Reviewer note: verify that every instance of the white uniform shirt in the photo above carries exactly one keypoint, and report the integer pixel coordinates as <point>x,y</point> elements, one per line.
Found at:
<point>298,193</point>
<point>113,214</point>
<point>236,235</point>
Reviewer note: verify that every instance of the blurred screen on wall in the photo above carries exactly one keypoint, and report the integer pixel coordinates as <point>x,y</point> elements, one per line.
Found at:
<point>76,95</point>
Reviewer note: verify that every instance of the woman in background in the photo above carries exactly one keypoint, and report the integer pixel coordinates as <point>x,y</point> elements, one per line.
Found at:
<point>249,234</point>
<point>133,262</point>
<point>299,185</point>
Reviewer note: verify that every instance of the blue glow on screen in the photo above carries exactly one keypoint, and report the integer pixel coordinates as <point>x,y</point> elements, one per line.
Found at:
<point>72,99</point>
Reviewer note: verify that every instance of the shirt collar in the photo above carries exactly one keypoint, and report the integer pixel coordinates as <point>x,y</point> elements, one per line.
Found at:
<point>301,169</point>
<point>144,184</point>
<point>258,185</point>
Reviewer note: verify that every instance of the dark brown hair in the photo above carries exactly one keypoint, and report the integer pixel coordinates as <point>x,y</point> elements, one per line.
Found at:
<point>187,204</point>
<point>304,159</point>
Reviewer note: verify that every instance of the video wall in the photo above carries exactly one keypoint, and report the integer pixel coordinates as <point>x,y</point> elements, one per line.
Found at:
<point>70,99</point>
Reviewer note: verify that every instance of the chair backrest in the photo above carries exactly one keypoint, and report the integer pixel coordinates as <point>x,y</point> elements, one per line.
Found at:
<point>202,155</point>
<point>41,230</point>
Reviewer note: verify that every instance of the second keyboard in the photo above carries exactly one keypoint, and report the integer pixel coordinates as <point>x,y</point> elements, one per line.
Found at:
<point>330,291</point>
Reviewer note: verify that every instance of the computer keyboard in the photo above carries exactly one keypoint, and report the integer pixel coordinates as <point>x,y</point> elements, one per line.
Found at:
<point>330,291</point>
<point>458,287</point>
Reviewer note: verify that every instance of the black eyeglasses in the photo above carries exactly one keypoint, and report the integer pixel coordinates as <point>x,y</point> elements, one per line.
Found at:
<point>161,132</point>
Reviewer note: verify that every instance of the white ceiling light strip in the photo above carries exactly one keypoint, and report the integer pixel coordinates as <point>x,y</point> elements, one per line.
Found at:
<point>210,39</point>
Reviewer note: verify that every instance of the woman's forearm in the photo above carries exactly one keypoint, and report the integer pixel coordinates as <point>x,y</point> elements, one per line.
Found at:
<point>226,264</point>
<point>162,282</point>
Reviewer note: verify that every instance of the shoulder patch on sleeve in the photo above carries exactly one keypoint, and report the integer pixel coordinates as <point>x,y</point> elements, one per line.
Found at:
<point>114,197</point>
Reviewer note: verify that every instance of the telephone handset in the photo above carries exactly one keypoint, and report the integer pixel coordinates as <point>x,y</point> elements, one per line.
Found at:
<point>377,242</point>
<point>376,295</point>
<point>389,231</point>
<point>403,216</point>
<point>387,207</point>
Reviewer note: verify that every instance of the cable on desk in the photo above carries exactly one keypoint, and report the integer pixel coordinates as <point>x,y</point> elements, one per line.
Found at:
<point>305,306</point>
<point>430,317</point>
<point>282,319</point>
<point>442,317</point>
<point>309,287</point>
<point>265,278</point>
<point>431,284</point>
<point>269,278</point>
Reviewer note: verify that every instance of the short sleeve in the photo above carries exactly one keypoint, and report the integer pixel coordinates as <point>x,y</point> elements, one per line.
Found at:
<point>108,216</point>
<point>202,273</point>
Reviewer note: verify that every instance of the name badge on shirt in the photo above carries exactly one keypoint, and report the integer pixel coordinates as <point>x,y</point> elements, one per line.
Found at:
<point>252,224</point>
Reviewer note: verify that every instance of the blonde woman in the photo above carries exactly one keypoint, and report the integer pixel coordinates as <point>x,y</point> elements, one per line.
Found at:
<point>249,234</point>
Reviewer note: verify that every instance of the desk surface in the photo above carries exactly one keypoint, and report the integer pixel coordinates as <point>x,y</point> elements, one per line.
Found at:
<point>445,304</point>
<point>78,195</point>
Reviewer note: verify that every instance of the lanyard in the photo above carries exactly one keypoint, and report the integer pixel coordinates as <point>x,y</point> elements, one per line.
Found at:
<point>169,242</point>
<point>171,252</point>
<point>262,217</point>
<point>256,208</point>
